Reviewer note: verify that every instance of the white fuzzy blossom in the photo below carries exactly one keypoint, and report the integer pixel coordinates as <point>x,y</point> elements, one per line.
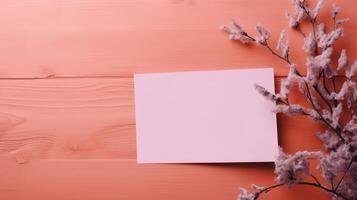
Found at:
<point>264,35</point>
<point>317,105</point>
<point>335,163</point>
<point>320,31</point>
<point>286,83</point>
<point>245,195</point>
<point>343,91</point>
<point>299,11</point>
<point>296,18</point>
<point>265,93</point>
<point>285,88</point>
<point>313,13</point>
<point>283,45</point>
<point>236,32</point>
<point>313,70</point>
<point>325,57</point>
<point>327,115</point>
<point>310,44</point>
<point>329,71</point>
<point>313,114</point>
<point>316,64</point>
<point>334,11</point>
<point>293,22</point>
<point>341,21</point>
<point>342,60</point>
<point>352,70</point>
<point>324,93</point>
<point>352,95</point>
<point>302,86</point>
<point>329,139</point>
<point>256,187</point>
<point>336,115</point>
<point>351,126</point>
<point>349,188</point>
<point>347,92</point>
<point>327,40</point>
<point>291,168</point>
<point>292,109</point>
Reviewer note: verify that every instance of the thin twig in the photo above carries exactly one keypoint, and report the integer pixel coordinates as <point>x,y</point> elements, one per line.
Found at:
<point>336,130</point>
<point>324,188</point>
<point>276,54</point>
<point>333,80</point>
<point>309,96</point>
<point>345,173</point>
<point>316,180</point>
<point>298,28</point>
<point>322,97</point>
<point>267,189</point>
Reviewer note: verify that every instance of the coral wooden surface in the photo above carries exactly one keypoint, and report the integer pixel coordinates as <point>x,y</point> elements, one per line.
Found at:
<point>67,124</point>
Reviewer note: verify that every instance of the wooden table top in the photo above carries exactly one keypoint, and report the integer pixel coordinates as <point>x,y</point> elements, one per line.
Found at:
<point>67,102</point>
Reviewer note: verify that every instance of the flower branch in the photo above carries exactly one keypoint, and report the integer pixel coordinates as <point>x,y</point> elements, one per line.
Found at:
<point>339,139</point>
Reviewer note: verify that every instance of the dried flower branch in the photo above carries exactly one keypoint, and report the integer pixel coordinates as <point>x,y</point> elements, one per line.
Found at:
<point>338,165</point>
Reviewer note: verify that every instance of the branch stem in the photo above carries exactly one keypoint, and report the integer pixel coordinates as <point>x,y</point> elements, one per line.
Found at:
<point>345,173</point>
<point>316,185</point>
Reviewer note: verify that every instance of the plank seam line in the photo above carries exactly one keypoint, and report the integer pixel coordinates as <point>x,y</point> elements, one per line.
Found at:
<point>89,77</point>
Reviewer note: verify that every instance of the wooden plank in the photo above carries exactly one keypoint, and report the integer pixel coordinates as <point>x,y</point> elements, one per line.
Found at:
<point>75,139</point>
<point>92,118</point>
<point>67,118</point>
<point>123,179</point>
<point>120,37</point>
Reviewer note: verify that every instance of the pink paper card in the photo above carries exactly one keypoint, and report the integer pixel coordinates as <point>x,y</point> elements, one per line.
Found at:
<point>205,116</point>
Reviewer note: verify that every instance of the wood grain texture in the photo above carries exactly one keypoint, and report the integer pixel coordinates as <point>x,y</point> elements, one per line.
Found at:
<point>41,38</point>
<point>67,124</point>
<point>123,179</point>
<point>68,118</point>
<point>89,118</point>
<point>74,138</point>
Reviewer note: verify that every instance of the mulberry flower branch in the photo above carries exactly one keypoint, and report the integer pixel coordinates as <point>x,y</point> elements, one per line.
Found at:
<point>339,164</point>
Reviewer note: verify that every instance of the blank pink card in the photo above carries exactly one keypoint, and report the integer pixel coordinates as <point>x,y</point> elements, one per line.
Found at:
<point>205,116</point>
